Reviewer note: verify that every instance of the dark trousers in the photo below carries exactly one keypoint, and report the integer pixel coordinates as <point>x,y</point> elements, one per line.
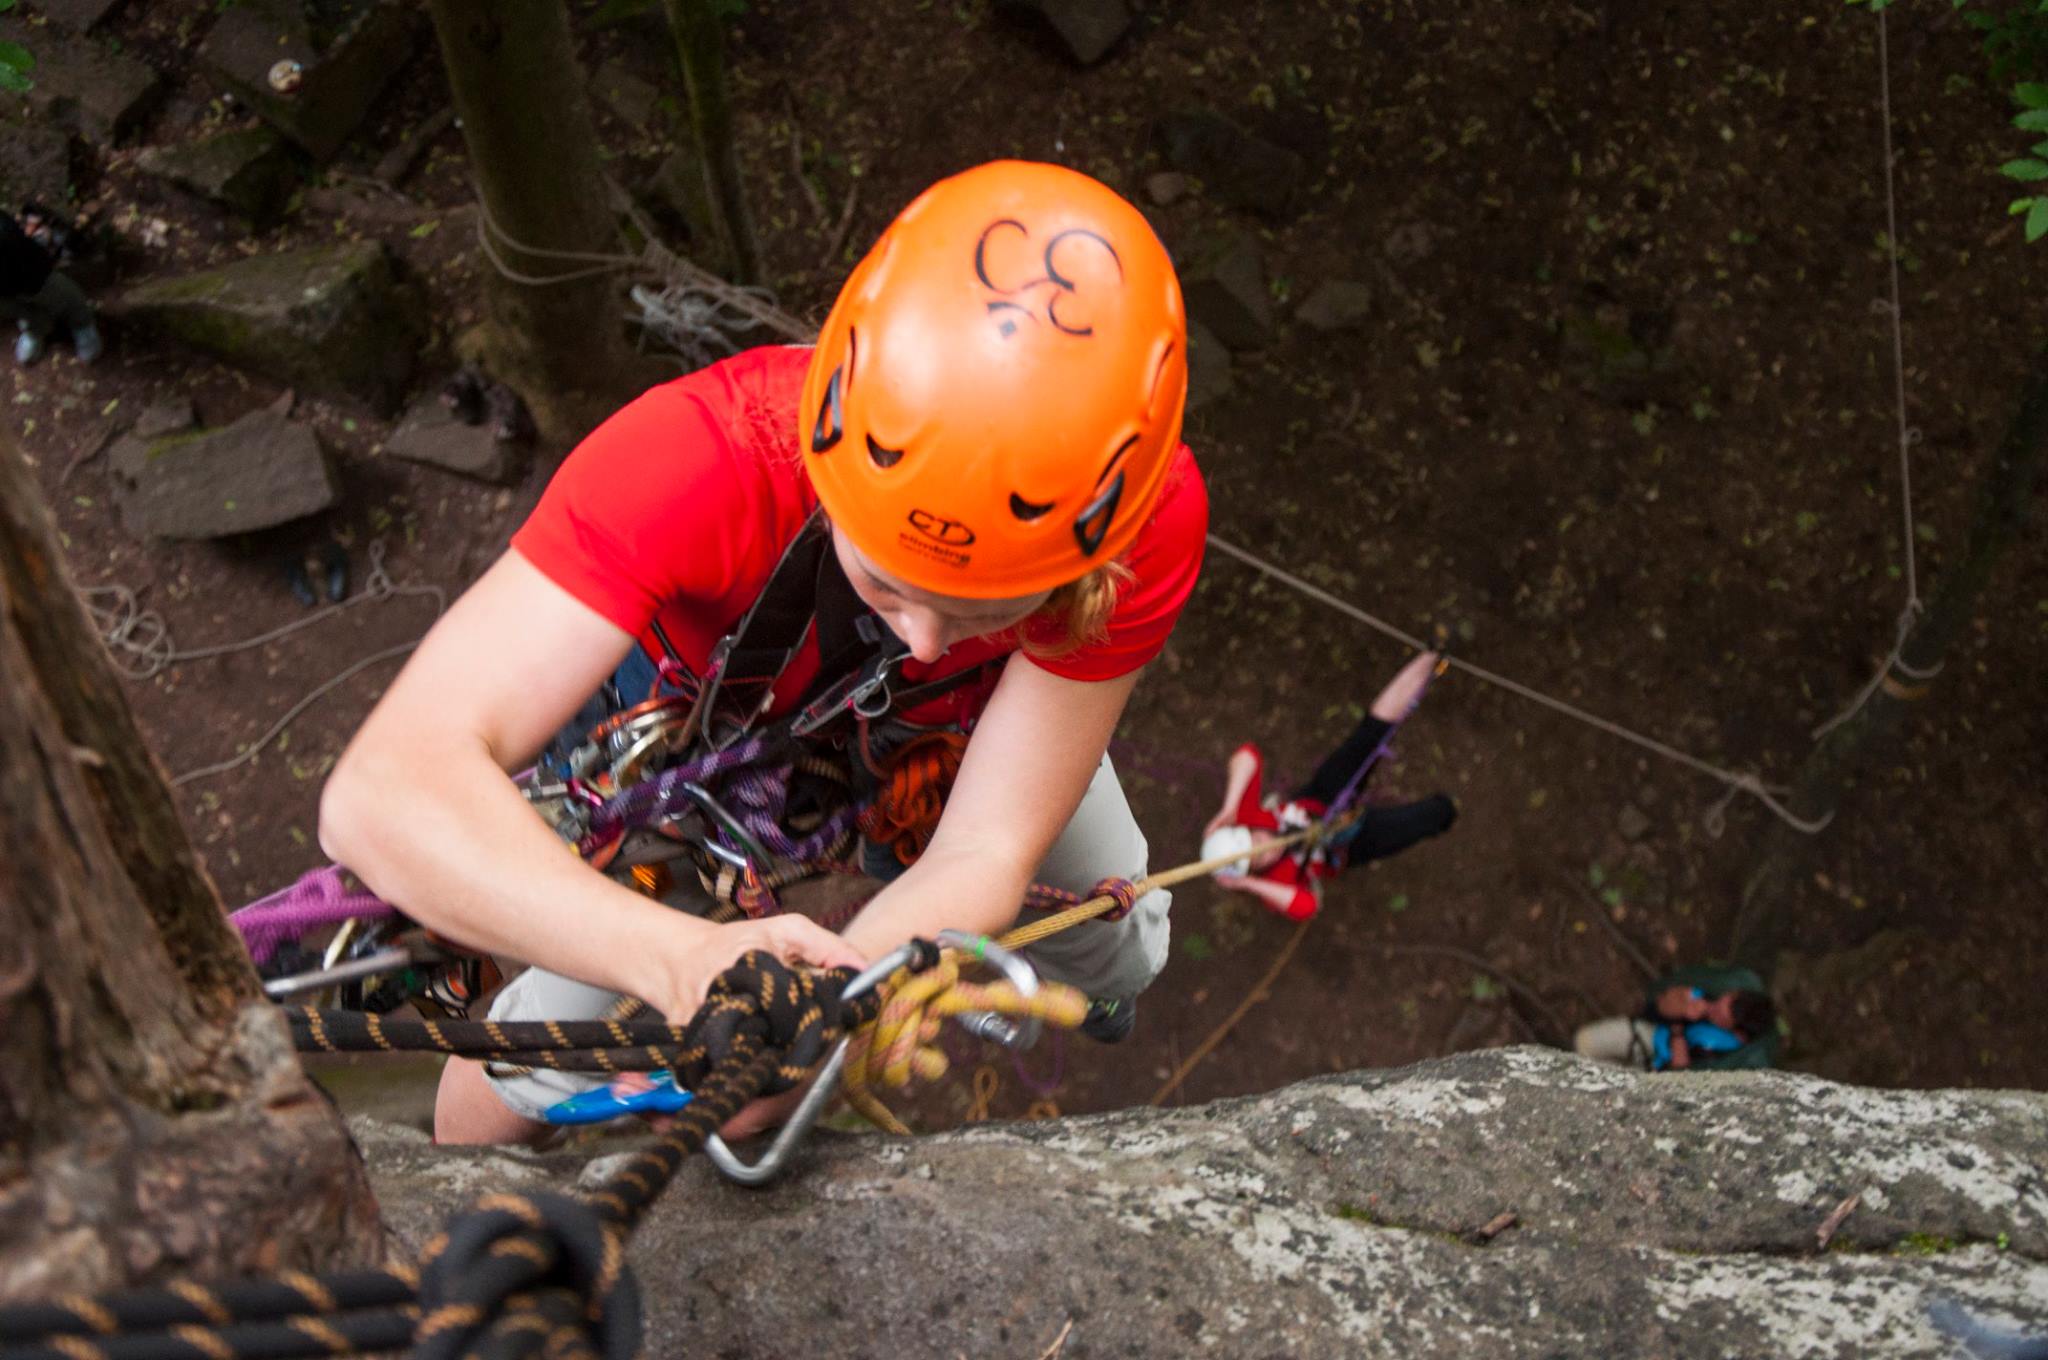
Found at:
<point>1381,831</point>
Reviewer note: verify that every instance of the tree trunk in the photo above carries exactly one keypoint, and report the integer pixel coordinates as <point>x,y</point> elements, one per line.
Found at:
<point>700,44</point>
<point>518,90</point>
<point>2004,501</point>
<point>153,1119</point>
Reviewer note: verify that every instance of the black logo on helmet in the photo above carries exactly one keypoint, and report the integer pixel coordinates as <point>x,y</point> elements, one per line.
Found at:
<point>1072,275</point>
<point>939,529</point>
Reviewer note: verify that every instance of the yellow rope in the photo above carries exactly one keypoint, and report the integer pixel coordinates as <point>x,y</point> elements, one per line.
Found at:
<point>902,1042</point>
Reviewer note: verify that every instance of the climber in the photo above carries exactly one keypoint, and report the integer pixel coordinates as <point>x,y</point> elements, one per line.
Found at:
<point>967,507</point>
<point>1290,882</point>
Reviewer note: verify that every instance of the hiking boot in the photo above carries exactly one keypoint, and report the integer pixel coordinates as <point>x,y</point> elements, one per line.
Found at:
<point>28,347</point>
<point>1109,1021</point>
<point>86,342</point>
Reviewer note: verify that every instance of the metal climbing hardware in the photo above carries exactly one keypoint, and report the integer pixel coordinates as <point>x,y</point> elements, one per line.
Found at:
<point>822,1087</point>
<point>987,1024</point>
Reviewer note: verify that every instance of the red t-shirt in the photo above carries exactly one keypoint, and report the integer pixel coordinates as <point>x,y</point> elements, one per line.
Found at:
<point>1288,870</point>
<point>678,508</point>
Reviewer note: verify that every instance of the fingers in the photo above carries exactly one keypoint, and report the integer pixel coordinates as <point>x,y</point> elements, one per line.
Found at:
<point>797,940</point>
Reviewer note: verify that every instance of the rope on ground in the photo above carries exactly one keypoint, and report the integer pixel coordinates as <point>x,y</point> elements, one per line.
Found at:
<point>140,644</point>
<point>1260,990</point>
<point>1743,782</point>
<point>1894,659</point>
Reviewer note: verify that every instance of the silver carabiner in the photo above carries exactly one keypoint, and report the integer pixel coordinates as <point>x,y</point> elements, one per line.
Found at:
<point>987,1024</point>
<point>822,1090</point>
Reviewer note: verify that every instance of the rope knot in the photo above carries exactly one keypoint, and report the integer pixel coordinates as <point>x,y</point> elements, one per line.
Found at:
<point>520,1269</point>
<point>762,1005</point>
<point>1123,890</point>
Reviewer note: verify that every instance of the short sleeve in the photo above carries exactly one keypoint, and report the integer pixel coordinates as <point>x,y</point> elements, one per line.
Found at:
<point>658,507</point>
<point>1165,562</point>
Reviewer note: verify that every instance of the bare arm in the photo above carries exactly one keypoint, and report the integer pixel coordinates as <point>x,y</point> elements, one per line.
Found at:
<point>1033,752</point>
<point>1238,776</point>
<point>421,809</point>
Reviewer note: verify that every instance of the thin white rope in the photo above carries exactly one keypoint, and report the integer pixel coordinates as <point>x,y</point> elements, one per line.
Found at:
<point>1908,436</point>
<point>140,644</point>
<point>1737,782</point>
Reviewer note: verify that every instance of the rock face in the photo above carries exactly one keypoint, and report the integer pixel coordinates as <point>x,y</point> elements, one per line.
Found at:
<point>347,51</point>
<point>246,170</point>
<point>331,320</point>
<point>1672,1216</point>
<point>261,471</point>
<point>81,85</point>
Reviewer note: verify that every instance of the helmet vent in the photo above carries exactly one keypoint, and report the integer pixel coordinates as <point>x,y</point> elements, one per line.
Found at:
<point>883,458</point>
<point>1093,524</point>
<point>830,427</point>
<point>1027,510</point>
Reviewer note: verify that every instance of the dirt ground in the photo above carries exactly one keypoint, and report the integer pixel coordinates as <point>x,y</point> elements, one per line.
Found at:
<point>1622,417</point>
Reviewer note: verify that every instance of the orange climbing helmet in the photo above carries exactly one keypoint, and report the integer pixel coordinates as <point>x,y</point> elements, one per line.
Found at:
<point>997,393</point>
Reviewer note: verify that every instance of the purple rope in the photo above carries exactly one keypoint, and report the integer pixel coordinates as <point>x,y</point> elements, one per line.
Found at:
<point>319,898</point>
<point>1049,1087</point>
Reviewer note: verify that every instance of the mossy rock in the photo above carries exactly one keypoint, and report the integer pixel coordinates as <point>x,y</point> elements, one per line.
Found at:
<point>332,321</point>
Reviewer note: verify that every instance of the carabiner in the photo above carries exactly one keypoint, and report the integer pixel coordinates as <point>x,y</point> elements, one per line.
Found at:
<point>822,1089</point>
<point>987,1024</point>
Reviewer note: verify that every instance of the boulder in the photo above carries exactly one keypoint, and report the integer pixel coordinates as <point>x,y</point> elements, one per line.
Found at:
<point>1336,305</point>
<point>1166,188</point>
<point>347,50</point>
<point>431,434</point>
<point>1236,167</point>
<point>1224,282</point>
<point>330,320</point>
<point>1514,1203</point>
<point>35,163</point>
<point>248,171</point>
<point>259,472</point>
<point>1087,28</point>
<point>79,15</point>
<point>1208,367</point>
<point>81,85</point>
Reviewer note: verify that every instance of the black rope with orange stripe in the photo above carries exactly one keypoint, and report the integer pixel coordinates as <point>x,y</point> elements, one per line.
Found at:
<point>517,1275</point>
<point>571,1045</point>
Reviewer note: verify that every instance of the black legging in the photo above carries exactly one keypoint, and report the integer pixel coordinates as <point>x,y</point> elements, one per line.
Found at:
<point>1381,831</point>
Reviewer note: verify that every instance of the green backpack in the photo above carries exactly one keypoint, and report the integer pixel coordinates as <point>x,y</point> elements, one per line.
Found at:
<point>1760,1052</point>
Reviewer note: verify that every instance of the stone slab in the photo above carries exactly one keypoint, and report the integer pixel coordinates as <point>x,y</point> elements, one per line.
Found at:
<point>1336,305</point>
<point>1224,282</point>
<point>431,434</point>
<point>346,61</point>
<point>79,16</point>
<point>261,471</point>
<point>330,320</point>
<point>1087,28</point>
<point>1236,167</point>
<point>248,171</point>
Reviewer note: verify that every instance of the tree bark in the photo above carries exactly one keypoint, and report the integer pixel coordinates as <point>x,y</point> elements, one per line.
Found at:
<point>700,45</point>
<point>518,90</point>
<point>2004,501</point>
<point>153,1118</point>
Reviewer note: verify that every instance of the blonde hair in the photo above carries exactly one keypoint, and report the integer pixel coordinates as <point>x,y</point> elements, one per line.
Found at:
<point>1077,613</point>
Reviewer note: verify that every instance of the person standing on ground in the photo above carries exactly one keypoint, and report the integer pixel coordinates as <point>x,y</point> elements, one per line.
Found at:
<point>37,296</point>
